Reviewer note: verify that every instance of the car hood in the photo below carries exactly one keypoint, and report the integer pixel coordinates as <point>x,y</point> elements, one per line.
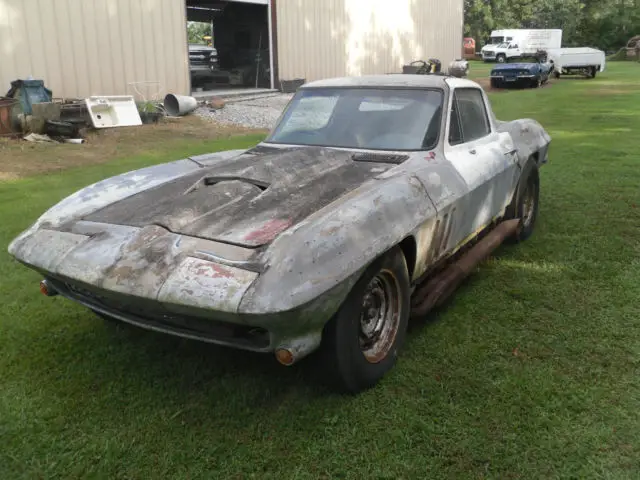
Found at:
<point>249,200</point>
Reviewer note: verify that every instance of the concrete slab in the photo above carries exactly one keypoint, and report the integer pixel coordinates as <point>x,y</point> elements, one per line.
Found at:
<point>231,92</point>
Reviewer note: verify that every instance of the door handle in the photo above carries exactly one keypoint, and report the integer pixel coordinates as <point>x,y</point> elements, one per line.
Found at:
<point>473,151</point>
<point>512,152</point>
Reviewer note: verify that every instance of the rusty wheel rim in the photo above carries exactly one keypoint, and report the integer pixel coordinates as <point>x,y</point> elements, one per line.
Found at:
<point>528,206</point>
<point>380,316</point>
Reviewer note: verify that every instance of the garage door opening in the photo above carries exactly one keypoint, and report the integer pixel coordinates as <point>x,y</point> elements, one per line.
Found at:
<point>229,46</point>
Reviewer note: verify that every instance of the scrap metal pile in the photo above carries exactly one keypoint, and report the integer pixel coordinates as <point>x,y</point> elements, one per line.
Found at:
<point>30,111</point>
<point>458,68</point>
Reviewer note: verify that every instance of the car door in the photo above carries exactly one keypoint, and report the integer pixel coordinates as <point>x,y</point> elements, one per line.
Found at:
<point>484,159</point>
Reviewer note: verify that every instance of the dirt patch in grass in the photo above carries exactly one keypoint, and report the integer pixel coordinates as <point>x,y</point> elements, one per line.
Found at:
<point>19,158</point>
<point>485,83</point>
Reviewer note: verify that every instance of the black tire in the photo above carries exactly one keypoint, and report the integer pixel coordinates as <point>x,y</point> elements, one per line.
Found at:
<point>593,72</point>
<point>556,75</point>
<point>501,58</point>
<point>494,83</point>
<point>527,208</point>
<point>535,83</point>
<point>350,361</point>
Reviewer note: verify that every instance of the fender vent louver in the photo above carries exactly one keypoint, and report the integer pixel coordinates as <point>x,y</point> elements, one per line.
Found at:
<point>379,158</point>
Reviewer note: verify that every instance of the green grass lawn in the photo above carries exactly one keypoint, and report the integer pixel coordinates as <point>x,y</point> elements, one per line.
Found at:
<point>532,371</point>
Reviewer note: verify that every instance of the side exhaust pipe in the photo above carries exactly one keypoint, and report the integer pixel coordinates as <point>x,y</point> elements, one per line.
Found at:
<point>434,292</point>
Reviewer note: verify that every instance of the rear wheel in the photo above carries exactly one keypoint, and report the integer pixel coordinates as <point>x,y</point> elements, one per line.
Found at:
<point>527,208</point>
<point>361,342</point>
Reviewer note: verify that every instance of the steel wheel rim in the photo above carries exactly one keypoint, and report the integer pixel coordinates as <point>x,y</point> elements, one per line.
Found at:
<point>380,316</point>
<point>528,206</point>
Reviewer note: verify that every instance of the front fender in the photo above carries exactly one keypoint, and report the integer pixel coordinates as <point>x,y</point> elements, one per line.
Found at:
<point>105,192</point>
<point>333,246</point>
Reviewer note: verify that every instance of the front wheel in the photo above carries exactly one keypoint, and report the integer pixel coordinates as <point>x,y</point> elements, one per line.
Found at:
<point>501,59</point>
<point>361,342</point>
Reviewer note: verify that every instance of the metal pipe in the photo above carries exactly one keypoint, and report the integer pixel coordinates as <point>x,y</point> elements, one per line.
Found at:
<point>443,285</point>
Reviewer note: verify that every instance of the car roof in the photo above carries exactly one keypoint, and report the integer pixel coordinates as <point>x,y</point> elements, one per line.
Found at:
<point>392,80</point>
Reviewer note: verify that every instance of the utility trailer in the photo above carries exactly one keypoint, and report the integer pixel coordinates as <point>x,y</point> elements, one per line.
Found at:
<point>576,61</point>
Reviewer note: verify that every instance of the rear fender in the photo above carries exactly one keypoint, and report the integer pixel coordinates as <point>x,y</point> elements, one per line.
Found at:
<point>530,167</point>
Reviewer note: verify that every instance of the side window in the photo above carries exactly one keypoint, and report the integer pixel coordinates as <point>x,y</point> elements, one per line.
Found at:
<point>473,119</point>
<point>455,130</point>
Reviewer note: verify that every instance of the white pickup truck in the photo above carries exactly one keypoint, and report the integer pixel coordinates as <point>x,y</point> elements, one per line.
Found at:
<point>572,61</point>
<point>508,45</point>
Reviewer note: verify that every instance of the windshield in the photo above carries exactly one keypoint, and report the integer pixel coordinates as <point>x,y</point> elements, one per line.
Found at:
<point>503,45</point>
<point>367,118</point>
<point>496,40</point>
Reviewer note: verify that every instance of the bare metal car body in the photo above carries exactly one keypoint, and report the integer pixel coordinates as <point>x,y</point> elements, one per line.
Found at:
<point>258,249</point>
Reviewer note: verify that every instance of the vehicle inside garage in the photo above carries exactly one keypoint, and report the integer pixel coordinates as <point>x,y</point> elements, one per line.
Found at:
<point>228,44</point>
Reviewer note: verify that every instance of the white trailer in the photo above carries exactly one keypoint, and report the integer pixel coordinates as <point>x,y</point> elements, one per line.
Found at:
<point>581,61</point>
<point>507,45</point>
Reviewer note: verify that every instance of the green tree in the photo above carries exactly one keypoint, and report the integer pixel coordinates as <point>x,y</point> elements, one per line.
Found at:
<point>197,30</point>
<point>606,24</point>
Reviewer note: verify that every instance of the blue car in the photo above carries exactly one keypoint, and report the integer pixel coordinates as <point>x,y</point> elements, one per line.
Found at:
<point>520,74</point>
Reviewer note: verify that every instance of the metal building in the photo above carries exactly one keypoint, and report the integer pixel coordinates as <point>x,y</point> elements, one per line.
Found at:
<point>102,47</point>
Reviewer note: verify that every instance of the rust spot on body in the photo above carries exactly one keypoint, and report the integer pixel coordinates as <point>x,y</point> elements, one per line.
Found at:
<point>213,271</point>
<point>268,231</point>
<point>330,231</point>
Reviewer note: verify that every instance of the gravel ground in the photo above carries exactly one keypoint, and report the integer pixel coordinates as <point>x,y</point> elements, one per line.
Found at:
<point>252,112</point>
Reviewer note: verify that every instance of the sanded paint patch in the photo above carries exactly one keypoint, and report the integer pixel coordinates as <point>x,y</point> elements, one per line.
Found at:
<point>203,284</point>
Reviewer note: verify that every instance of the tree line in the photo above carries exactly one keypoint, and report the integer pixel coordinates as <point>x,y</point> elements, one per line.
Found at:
<point>603,24</point>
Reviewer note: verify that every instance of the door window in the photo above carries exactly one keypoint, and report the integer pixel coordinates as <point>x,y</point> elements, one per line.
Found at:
<point>469,119</point>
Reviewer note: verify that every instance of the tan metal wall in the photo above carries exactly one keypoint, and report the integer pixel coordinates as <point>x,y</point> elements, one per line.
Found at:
<point>95,47</point>
<point>326,38</point>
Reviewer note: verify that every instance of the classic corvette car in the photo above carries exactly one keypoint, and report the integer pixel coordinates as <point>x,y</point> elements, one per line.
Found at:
<point>531,74</point>
<point>369,202</point>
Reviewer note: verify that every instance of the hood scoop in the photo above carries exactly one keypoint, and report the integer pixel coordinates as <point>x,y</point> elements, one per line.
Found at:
<point>230,181</point>
<point>208,181</point>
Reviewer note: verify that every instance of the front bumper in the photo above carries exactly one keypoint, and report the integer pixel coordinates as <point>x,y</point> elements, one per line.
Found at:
<point>202,71</point>
<point>154,279</point>
<point>298,331</point>
<point>513,78</point>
